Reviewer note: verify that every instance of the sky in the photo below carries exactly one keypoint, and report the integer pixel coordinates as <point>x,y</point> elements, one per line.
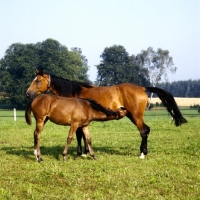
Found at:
<point>93,25</point>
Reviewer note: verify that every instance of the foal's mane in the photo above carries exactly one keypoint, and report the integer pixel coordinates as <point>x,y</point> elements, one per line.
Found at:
<point>67,88</point>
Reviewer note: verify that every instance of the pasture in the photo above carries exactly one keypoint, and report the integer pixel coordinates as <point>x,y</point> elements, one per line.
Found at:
<point>171,170</point>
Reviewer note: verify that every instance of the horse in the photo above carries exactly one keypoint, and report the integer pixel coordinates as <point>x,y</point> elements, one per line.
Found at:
<point>130,96</point>
<point>67,111</point>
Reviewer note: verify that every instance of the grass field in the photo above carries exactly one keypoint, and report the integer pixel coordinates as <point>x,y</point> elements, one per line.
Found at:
<point>170,171</point>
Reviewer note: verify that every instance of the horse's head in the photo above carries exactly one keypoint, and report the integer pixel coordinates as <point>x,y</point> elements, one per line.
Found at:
<point>40,84</point>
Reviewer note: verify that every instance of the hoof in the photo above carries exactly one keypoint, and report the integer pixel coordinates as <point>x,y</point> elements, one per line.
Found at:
<point>64,159</point>
<point>75,157</point>
<point>142,156</point>
<point>95,158</point>
<point>83,156</point>
<point>40,160</point>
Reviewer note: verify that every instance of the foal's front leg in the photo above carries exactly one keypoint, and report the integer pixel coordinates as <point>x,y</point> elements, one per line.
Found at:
<point>37,132</point>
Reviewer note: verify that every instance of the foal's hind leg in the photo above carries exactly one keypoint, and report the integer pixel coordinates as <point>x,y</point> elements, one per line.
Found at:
<point>88,141</point>
<point>72,130</point>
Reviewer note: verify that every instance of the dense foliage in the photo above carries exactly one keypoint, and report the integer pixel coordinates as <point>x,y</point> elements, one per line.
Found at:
<point>118,67</point>
<point>17,67</point>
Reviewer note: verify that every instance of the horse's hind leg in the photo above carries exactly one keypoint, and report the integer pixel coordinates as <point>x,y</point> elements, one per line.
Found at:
<point>79,136</point>
<point>144,132</point>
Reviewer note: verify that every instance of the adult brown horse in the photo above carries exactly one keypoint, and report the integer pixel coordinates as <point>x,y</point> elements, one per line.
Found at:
<point>67,111</point>
<point>132,97</point>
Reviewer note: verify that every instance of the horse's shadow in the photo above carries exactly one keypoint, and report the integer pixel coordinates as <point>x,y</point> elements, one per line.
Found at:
<point>56,151</point>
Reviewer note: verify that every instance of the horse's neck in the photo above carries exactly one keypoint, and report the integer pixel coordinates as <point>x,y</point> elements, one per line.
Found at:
<point>84,92</point>
<point>59,93</point>
<point>91,93</point>
<point>67,88</point>
<point>52,90</point>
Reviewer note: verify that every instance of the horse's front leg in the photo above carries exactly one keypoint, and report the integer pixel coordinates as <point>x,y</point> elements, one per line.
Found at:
<point>79,136</point>
<point>88,141</point>
<point>72,130</point>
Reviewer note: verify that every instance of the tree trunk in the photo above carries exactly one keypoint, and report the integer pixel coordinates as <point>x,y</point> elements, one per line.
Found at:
<point>148,107</point>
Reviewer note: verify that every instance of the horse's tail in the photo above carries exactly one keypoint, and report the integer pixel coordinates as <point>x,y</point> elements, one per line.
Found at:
<point>28,114</point>
<point>98,107</point>
<point>170,103</point>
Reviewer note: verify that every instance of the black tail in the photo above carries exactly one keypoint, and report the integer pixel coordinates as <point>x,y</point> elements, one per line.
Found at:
<point>170,103</point>
<point>28,114</point>
<point>98,107</point>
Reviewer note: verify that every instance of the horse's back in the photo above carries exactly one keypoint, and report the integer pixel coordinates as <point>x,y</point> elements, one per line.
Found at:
<point>121,95</point>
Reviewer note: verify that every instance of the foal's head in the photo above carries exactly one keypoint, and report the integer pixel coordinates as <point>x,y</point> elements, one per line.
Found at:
<point>40,84</point>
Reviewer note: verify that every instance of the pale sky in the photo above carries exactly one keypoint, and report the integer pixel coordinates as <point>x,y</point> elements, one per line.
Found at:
<point>93,25</point>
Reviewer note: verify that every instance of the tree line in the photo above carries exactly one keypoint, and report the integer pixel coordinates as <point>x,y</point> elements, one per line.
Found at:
<point>189,88</point>
<point>148,68</point>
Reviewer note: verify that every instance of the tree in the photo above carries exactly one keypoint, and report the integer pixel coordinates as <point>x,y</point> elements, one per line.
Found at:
<point>158,63</point>
<point>135,73</point>
<point>17,68</point>
<point>118,67</point>
<point>83,62</point>
<point>16,72</point>
<point>57,59</point>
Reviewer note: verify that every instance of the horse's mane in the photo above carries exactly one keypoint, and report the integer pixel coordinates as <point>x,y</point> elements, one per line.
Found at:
<point>98,107</point>
<point>67,88</point>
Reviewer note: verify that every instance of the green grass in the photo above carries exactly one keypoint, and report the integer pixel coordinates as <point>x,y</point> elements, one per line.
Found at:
<point>170,171</point>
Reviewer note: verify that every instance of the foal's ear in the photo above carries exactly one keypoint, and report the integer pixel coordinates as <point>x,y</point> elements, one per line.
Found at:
<point>39,71</point>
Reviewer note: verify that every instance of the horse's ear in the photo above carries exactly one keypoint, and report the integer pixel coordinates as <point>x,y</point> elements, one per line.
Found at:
<point>39,71</point>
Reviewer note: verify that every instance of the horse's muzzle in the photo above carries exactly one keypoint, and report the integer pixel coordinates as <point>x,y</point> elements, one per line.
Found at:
<point>29,95</point>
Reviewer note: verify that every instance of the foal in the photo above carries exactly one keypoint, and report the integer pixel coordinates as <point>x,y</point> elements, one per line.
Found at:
<point>67,111</point>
